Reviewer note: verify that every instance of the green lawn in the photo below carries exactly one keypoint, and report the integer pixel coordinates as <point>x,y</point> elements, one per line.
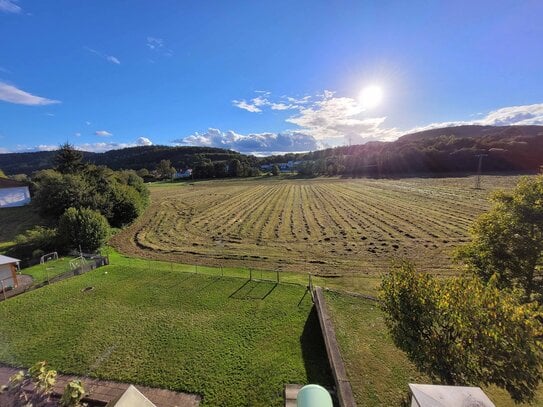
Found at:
<point>379,372</point>
<point>357,282</point>
<point>233,341</point>
<point>41,272</point>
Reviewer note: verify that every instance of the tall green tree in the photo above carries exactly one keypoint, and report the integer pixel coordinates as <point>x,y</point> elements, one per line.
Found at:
<point>235,168</point>
<point>164,169</point>
<point>461,331</point>
<point>83,227</point>
<point>68,160</point>
<point>507,241</point>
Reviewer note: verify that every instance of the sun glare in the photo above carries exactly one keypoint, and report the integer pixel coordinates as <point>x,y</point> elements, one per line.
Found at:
<point>370,96</point>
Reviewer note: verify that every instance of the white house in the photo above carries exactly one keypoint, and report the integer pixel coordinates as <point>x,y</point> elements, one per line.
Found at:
<point>8,272</point>
<point>184,174</point>
<point>13,193</point>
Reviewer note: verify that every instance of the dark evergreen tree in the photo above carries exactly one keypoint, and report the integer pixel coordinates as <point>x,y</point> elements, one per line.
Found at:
<point>68,160</point>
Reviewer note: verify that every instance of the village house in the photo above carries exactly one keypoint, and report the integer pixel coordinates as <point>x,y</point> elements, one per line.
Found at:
<point>8,272</point>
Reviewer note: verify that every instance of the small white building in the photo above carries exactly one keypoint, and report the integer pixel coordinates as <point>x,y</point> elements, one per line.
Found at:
<point>8,272</point>
<point>13,193</point>
<point>183,174</point>
<point>428,395</point>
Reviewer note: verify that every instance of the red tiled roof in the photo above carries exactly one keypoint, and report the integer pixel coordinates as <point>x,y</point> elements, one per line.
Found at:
<point>9,183</point>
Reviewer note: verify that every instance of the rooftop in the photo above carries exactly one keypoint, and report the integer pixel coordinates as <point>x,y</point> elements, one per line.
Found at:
<point>9,183</point>
<point>7,260</point>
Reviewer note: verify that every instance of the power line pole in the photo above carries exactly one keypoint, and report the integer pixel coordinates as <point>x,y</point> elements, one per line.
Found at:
<point>479,168</point>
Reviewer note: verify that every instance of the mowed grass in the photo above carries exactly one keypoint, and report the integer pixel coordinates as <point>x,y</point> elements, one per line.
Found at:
<point>328,226</point>
<point>48,270</point>
<point>379,372</point>
<point>235,342</point>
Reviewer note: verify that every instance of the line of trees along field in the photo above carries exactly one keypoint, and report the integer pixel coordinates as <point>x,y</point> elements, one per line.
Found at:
<point>452,149</point>
<point>207,162</point>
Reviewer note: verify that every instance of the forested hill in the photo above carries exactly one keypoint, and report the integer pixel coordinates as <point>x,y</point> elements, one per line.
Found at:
<point>126,158</point>
<point>451,149</point>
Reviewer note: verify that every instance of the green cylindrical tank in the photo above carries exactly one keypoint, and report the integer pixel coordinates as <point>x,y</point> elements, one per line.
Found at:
<point>313,395</point>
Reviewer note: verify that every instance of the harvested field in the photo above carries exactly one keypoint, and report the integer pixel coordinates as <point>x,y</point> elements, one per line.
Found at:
<point>326,226</point>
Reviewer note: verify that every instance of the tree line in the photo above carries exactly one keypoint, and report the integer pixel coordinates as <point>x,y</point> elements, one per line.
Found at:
<point>80,202</point>
<point>134,158</point>
<point>453,149</point>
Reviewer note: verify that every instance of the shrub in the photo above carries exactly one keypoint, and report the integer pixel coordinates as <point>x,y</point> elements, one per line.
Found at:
<point>83,227</point>
<point>462,331</point>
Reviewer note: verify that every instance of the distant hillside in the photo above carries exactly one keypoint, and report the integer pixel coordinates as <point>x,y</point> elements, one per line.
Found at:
<point>127,158</point>
<point>451,149</point>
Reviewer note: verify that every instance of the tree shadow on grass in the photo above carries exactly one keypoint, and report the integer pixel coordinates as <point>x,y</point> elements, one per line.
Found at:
<point>314,352</point>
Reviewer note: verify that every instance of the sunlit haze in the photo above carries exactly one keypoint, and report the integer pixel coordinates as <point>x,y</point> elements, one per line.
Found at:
<point>371,96</point>
<point>262,77</point>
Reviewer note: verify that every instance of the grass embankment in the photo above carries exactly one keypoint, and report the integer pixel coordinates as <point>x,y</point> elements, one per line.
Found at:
<point>379,372</point>
<point>235,342</point>
<point>14,221</point>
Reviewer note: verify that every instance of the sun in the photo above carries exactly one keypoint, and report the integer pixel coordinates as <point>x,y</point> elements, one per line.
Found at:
<point>370,96</point>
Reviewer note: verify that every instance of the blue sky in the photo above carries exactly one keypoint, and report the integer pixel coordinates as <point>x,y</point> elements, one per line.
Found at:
<point>261,76</point>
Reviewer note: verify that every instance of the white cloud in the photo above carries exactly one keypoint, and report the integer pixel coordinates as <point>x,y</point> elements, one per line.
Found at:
<point>252,143</point>
<point>9,6</point>
<point>157,45</point>
<point>4,150</point>
<point>103,133</point>
<point>88,123</point>
<point>143,141</point>
<point>109,58</point>
<point>99,147</point>
<point>113,60</point>
<point>256,104</point>
<point>242,104</point>
<point>106,146</point>
<point>281,106</point>
<point>336,120</point>
<point>506,116</point>
<point>11,94</point>
<point>154,43</point>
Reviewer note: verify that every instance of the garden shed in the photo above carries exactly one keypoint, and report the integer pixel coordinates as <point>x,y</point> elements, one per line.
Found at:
<point>428,395</point>
<point>13,193</point>
<point>8,272</point>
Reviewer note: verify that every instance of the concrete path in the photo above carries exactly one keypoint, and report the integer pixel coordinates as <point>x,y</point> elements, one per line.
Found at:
<point>105,391</point>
